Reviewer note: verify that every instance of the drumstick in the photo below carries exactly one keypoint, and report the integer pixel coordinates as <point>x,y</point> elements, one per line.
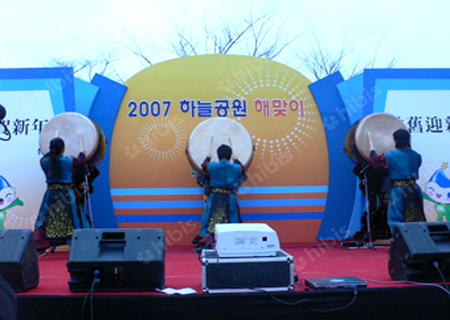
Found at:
<point>233,156</point>
<point>211,146</point>
<point>56,133</point>
<point>81,141</point>
<point>371,147</point>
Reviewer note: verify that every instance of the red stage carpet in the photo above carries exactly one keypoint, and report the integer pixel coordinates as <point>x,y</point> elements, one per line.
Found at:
<point>183,270</point>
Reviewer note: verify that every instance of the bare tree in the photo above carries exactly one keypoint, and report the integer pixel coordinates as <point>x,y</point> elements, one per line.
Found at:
<point>85,68</point>
<point>135,48</point>
<point>321,62</point>
<point>395,59</point>
<point>258,31</point>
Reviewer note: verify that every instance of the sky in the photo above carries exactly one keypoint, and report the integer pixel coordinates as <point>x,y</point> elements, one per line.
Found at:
<point>33,33</point>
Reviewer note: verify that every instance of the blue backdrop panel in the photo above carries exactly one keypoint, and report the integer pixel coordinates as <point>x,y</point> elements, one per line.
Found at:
<point>341,191</point>
<point>59,82</point>
<point>85,94</point>
<point>104,112</point>
<point>380,81</point>
<point>367,93</point>
<point>352,95</point>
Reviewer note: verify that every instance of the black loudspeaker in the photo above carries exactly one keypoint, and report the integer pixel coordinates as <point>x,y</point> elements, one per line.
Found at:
<point>420,251</point>
<point>117,260</point>
<point>19,259</point>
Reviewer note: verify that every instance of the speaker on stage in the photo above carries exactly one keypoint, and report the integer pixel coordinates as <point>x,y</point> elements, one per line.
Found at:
<point>18,259</point>
<point>420,251</point>
<point>117,260</point>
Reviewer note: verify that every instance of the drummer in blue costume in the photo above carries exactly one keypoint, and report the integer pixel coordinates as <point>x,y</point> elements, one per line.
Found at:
<point>222,205</point>
<point>59,214</point>
<point>403,163</point>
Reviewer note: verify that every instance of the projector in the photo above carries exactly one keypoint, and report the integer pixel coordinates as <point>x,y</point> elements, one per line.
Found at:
<point>246,240</point>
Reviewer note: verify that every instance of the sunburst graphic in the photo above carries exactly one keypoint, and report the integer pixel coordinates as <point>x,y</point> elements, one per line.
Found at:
<point>163,139</point>
<point>295,135</point>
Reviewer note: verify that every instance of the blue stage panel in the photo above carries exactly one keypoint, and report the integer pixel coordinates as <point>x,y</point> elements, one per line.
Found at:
<point>85,94</point>
<point>104,112</point>
<point>341,190</point>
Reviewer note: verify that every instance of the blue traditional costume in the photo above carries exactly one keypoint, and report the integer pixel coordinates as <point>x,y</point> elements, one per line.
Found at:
<point>59,214</point>
<point>222,205</point>
<point>405,196</point>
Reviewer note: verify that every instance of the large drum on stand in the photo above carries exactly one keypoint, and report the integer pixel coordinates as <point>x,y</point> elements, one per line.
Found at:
<point>221,131</point>
<point>77,131</point>
<point>79,134</point>
<point>374,183</point>
<point>381,127</point>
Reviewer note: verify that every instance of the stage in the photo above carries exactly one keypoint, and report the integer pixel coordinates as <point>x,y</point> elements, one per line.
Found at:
<point>382,299</point>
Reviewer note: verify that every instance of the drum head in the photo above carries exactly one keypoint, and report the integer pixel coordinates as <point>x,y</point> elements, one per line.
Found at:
<point>75,129</point>
<point>381,127</point>
<point>222,130</point>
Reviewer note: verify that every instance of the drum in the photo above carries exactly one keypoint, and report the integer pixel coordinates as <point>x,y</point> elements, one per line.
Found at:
<point>381,127</point>
<point>101,149</point>
<point>222,130</point>
<point>350,145</point>
<point>78,132</point>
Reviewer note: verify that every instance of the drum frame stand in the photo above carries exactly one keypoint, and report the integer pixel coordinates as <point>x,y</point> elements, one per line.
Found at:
<point>87,198</point>
<point>368,213</point>
<point>369,244</point>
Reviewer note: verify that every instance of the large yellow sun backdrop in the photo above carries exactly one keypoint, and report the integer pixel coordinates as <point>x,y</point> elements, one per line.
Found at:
<point>151,178</point>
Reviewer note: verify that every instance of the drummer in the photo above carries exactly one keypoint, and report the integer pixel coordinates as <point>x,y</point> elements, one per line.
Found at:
<point>58,215</point>
<point>222,205</point>
<point>405,196</point>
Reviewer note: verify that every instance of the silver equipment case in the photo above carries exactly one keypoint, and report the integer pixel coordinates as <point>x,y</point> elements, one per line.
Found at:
<point>246,274</point>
